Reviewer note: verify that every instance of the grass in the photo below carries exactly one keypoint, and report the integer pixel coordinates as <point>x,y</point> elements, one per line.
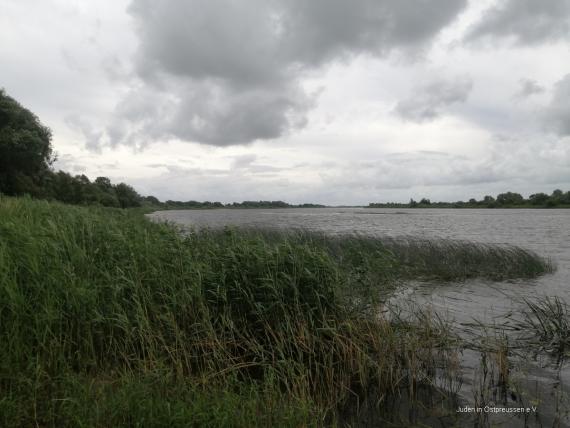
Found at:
<point>107,319</point>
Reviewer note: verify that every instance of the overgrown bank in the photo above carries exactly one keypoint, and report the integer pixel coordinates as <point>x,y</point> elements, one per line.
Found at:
<point>107,319</point>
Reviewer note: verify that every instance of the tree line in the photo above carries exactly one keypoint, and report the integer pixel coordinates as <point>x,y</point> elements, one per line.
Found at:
<point>26,159</point>
<point>557,198</point>
<point>245,204</point>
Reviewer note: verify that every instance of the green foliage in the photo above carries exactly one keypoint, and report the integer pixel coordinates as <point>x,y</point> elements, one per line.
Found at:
<point>25,160</point>
<point>245,204</point>
<point>79,190</point>
<point>539,199</point>
<point>510,198</point>
<point>25,148</point>
<point>191,204</point>
<point>261,204</point>
<point>127,196</point>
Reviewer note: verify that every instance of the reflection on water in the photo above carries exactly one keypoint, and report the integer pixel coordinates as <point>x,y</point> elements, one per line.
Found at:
<point>547,232</point>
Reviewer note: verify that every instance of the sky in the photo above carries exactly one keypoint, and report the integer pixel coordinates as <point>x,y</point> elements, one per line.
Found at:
<point>341,102</point>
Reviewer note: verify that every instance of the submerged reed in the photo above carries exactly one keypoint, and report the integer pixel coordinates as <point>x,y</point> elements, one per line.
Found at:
<point>102,306</point>
<point>546,322</point>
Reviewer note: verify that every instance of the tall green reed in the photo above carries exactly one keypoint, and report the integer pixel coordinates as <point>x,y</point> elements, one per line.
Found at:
<point>103,297</point>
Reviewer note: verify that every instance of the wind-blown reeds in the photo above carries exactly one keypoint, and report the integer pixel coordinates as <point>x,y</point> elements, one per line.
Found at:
<point>99,305</point>
<point>545,323</point>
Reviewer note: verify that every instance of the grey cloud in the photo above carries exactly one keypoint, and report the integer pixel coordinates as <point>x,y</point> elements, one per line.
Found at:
<point>443,169</point>
<point>228,72</point>
<point>414,170</point>
<point>107,166</point>
<point>93,137</point>
<point>524,21</point>
<point>557,114</point>
<point>177,170</point>
<point>243,161</point>
<point>81,164</point>
<point>215,185</point>
<point>260,41</point>
<point>265,169</point>
<point>71,61</point>
<point>532,158</point>
<point>511,164</point>
<point>428,101</point>
<point>528,87</point>
<point>156,165</point>
<point>247,163</point>
<point>68,162</point>
<point>422,156</point>
<point>114,68</point>
<point>221,116</point>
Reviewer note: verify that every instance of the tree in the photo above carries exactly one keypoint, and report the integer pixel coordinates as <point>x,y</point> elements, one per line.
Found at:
<point>510,198</point>
<point>538,199</point>
<point>104,184</point>
<point>25,148</point>
<point>127,196</point>
<point>62,187</point>
<point>106,194</point>
<point>152,200</point>
<point>556,198</point>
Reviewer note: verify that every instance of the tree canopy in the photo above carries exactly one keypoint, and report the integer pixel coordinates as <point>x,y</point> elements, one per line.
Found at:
<point>25,148</point>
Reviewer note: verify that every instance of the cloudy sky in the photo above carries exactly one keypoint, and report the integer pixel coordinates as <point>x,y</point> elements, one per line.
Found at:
<point>330,101</point>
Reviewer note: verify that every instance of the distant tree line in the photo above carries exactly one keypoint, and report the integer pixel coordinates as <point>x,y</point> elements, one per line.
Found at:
<point>557,198</point>
<point>271,204</point>
<point>207,204</point>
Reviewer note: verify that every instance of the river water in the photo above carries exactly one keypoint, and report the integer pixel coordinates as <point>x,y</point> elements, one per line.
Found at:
<point>546,232</point>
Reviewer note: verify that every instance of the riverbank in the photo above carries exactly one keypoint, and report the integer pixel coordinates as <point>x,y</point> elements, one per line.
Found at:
<point>109,319</point>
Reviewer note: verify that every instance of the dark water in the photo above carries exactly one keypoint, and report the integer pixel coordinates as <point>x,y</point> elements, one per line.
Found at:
<point>547,232</point>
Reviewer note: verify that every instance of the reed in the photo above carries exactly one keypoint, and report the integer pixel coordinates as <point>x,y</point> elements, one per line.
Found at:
<point>107,319</point>
<point>545,323</point>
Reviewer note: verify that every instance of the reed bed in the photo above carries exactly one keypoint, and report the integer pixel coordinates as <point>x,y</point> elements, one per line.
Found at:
<point>452,260</point>
<point>107,319</point>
